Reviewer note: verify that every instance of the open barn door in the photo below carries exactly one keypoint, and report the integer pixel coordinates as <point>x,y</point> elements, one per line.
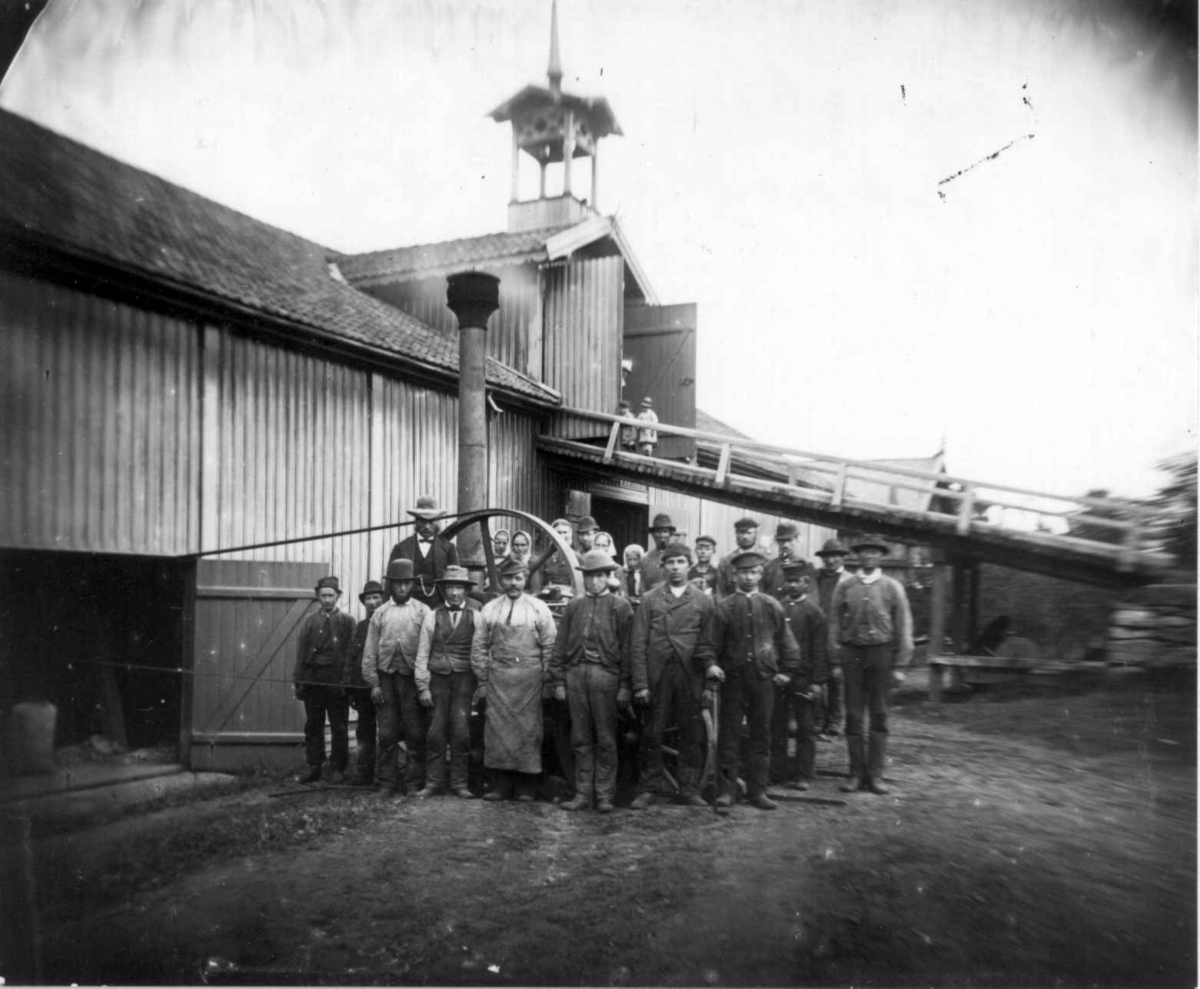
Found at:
<point>661,343</point>
<point>246,620</point>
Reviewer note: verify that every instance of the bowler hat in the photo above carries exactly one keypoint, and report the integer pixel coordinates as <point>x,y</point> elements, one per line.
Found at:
<point>662,521</point>
<point>786,530</point>
<point>676,549</point>
<point>586,524</point>
<point>328,582</point>
<point>596,561</point>
<point>456,575</point>
<point>833,547</point>
<point>745,523</point>
<point>512,566</point>
<point>399,569</point>
<point>427,509</point>
<point>868,542</point>
<point>369,588</point>
<point>748,560</point>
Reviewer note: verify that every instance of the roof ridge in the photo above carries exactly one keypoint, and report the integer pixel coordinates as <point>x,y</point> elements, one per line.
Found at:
<point>459,240</point>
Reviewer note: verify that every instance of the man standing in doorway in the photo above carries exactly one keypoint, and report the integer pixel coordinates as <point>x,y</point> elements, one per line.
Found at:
<point>833,570</point>
<point>446,685</point>
<point>662,530</point>
<point>745,534</point>
<point>388,667</point>
<point>319,677</point>
<point>360,694</point>
<point>672,648</point>
<point>510,654</point>
<point>871,623</point>
<point>755,654</point>
<point>429,552</point>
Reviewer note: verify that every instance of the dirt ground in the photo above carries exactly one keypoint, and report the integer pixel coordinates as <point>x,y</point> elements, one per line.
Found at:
<point>1030,841</point>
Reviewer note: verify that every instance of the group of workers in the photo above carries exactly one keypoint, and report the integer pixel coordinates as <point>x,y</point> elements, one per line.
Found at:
<point>663,639</point>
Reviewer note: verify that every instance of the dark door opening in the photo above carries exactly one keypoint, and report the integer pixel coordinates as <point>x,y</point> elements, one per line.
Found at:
<point>626,522</point>
<point>99,636</point>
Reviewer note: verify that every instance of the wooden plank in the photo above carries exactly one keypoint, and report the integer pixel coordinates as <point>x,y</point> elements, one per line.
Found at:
<point>723,466</point>
<point>839,486</point>
<point>263,593</point>
<point>981,662</point>
<point>259,663</point>
<point>613,435</point>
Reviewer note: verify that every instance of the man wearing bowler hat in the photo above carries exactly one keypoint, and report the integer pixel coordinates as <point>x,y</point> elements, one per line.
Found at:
<point>745,535</point>
<point>786,534</point>
<point>832,572</point>
<point>589,669</point>
<point>388,667</point>
<point>360,694</point>
<point>870,622</point>
<point>662,531</point>
<point>756,653</point>
<point>446,685</point>
<point>320,676</point>
<point>430,553</point>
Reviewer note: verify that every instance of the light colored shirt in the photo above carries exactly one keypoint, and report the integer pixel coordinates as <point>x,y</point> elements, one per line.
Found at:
<point>392,640</point>
<point>525,613</point>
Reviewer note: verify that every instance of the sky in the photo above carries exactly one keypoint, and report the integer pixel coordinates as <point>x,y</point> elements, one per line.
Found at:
<point>817,176</point>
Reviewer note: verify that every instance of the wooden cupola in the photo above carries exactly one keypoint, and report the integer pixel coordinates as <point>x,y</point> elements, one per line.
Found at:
<point>554,127</point>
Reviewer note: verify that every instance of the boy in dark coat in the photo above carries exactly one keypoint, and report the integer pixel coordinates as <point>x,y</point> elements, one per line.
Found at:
<point>801,695</point>
<point>589,669</point>
<point>360,698</point>
<point>320,676</point>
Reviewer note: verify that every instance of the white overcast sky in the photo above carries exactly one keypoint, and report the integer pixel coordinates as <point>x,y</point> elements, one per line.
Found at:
<point>781,168</point>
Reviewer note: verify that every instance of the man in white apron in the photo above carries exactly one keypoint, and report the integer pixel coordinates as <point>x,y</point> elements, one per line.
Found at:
<point>510,655</point>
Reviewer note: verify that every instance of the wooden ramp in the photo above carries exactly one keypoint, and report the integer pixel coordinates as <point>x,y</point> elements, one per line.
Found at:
<point>1095,540</point>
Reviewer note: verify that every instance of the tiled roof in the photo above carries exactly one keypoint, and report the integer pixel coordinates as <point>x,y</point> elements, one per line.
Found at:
<point>59,192</point>
<point>406,262</point>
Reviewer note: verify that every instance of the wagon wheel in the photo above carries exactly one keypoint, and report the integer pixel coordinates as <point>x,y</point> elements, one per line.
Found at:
<point>483,517</point>
<point>707,775</point>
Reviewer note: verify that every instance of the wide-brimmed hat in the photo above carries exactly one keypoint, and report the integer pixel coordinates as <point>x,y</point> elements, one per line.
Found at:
<point>672,550</point>
<point>833,547</point>
<point>745,523</point>
<point>328,582</point>
<point>747,560</point>
<point>512,566</point>
<point>399,569</point>
<point>595,561</point>
<point>869,542</point>
<point>786,530</point>
<point>369,588</point>
<point>586,524</point>
<point>427,509</point>
<point>662,521</point>
<point>456,575</point>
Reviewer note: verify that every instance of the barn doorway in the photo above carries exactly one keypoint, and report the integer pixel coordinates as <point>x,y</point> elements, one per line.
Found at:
<point>626,522</point>
<point>100,637</point>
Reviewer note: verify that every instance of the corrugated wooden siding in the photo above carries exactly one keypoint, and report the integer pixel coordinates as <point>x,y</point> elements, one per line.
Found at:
<point>583,325</point>
<point>514,332</point>
<point>101,426</point>
<point>287,453</point>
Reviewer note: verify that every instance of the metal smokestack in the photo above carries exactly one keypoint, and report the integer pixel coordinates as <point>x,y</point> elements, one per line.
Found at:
<point>472,296</point>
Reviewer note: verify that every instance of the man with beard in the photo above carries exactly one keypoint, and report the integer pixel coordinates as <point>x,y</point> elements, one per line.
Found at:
<point>662,531</point>
<point>430,553</point>
<point>745,535</point>
<point>786,534</point>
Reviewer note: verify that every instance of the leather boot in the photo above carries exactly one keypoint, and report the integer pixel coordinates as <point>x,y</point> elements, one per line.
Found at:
<point>876,756</point>
<point>578,802</point>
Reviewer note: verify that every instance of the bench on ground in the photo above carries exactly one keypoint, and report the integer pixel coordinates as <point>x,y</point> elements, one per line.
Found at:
<point>981,667</point>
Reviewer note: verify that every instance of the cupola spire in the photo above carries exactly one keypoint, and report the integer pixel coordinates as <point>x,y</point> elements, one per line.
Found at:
<point>554,70</point>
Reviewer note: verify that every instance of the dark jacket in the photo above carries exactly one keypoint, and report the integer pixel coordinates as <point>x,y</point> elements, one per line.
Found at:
<point>753,629</point>
<point>667,628</point>
<point>318,647</point>
<point>773,578</point>
<point>808,628</point>
<point>427,568</point>
<point>601,624</point>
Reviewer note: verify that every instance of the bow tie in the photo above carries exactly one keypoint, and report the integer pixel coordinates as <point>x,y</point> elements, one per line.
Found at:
<point>425,542</point>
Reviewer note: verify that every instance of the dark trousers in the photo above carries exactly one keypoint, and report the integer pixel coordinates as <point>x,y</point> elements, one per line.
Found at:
<point>449,725</point>
<point>364,735</point>
<point>322,701</point>
<point>592,698</point>
<point>401,711</point>
<point>672,701</point>
<point>745,694</point>
<point>787,704</point>
<point>868,678</point>
<point>830,713</point>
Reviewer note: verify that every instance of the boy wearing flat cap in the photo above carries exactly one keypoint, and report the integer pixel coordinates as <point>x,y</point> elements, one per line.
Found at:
<point>320,676</point>
<point>360,694</point>
<point>870,622</point>
<point>446,685</point>
<point>589,669</point>
<point>429,552</point>
<point>756,652</point>
<point>800,696</point>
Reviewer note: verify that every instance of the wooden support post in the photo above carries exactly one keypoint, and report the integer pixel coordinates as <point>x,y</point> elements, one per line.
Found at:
<point>613,437</point>
<point>958,617</point>
<point>723,465</point>
<point>973,602</point>
<point>966,508</point>
<point>937,610</point>
<point>839,486</point>
<point>935,682</point>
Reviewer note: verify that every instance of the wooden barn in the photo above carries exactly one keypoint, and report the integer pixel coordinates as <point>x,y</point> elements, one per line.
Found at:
<point>190,395</point>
